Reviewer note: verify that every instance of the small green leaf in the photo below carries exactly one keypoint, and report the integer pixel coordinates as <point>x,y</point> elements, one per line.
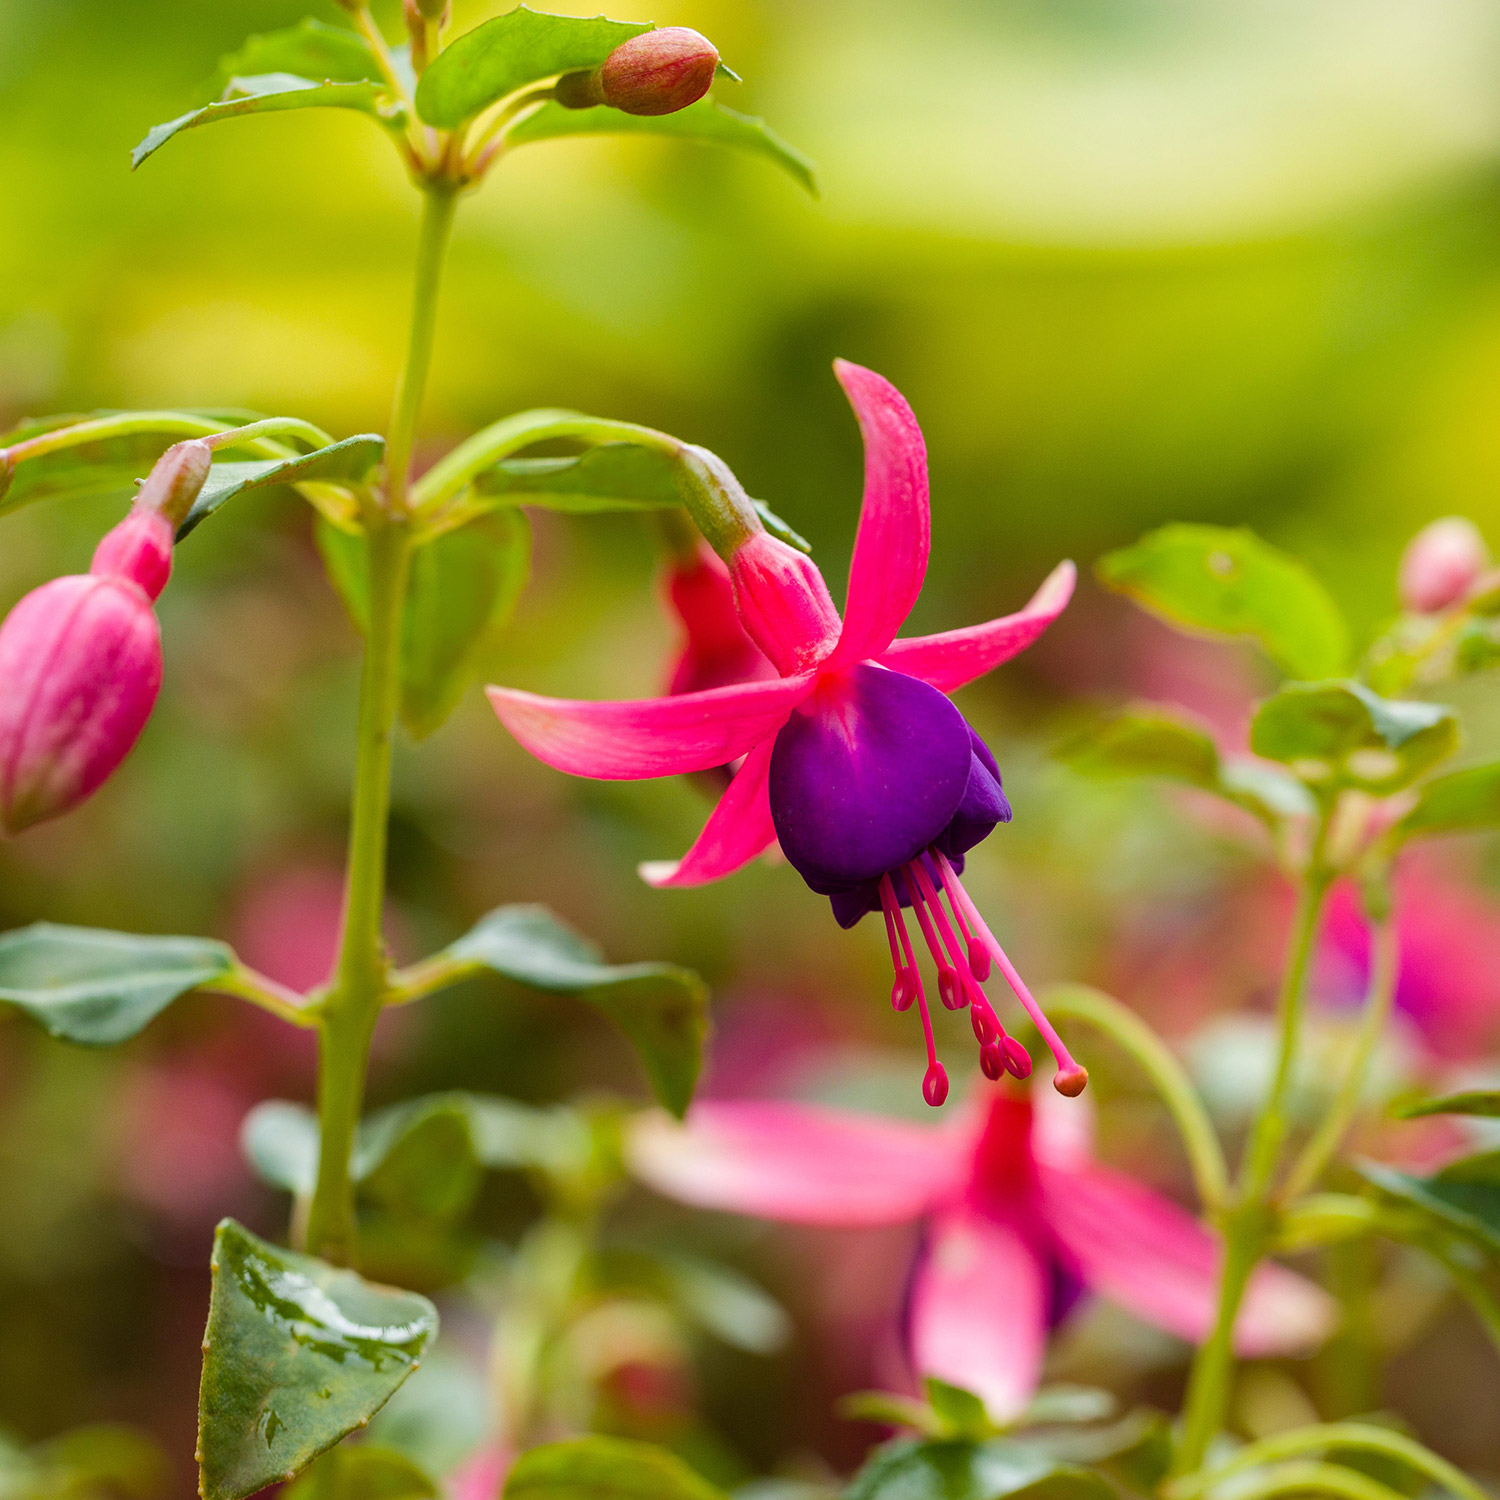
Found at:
<point>416,1160</point>
<point>280,1141</point>
<point>718,1300</point>
<point>464,587</point>
<point>1485,1102</point>
<point>1461,802</point>
<point>504,54</point>
<point>1067,1405</point>
<point>960,1412</point>
<point>348,460</point>
<point>1464,1196</point>
<point>611,476</point>
<point>886,1408</point>
<point>297,1355</point>
<point>363,1472</point>
<point>310,49</point>
<point>1145,742</point>
<point>106,1458</point>
<point>1342,734</point>
<point>707,122</point>
<point>99,987</point>
<point>605,1468</point>
<point>1229,582</point>
<point>661,1008</point>
<point>264,94</point>
<point>957,1470</point>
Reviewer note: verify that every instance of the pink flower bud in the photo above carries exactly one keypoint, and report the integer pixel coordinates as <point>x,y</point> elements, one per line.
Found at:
<point>656,73</point>
<point>716,651</point>
<point>1441,564</point>
<point>784,603</point>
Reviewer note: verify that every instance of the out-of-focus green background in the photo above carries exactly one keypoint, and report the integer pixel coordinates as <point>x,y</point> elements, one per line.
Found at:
<point>1130,260</point>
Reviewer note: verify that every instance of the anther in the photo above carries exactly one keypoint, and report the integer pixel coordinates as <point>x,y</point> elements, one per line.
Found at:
<point>1017,1058</point>
<point>935,1084</point>
<point>992,1061</point>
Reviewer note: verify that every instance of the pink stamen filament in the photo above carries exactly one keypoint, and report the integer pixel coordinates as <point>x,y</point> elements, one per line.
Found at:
<point>948,982</point>
<point>967,984</point>
<point>908,977</point>
<point>1071,1078</point>
<point>978,954</point>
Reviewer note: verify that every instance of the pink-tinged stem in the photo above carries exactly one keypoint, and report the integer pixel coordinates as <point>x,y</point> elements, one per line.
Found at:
<point>1071,1076</point>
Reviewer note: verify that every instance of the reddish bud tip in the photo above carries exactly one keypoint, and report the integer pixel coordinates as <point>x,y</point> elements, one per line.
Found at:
<point>1070,1082</point>
<point>1441,564</point>
<point>1018,1059</point>
<point>658,72</point>
<point>979,960</point>
<point>80,666</point>
<point>173,484</point>
<point>935,1085</point>
<point>992,1061</point>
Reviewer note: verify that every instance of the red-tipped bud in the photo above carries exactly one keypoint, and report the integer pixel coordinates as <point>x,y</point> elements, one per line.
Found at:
<point>992,1061</point>
<point>658,72</point>
<point>935,1084</point>
<point>1441,564</point>
<point>1018,1059</point>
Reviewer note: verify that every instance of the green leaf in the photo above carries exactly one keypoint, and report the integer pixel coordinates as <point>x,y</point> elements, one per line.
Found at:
<point>605,1468</point>
<point>956,1470</point>
<point>365,1472</point>
<point>1229,582</point>
<point>661,1008</point>
<point>886,1408</point>
<point>106,1458</point>
<point>464,587</point>
<point>267,93</point>
<point>1067,1404</point>
<point>504,54</point>
<point>98,987</point>
<point>297,1355</point>
<point>1461,802</point>
<point>1145,742</point>
<point>280,1141</point>
<point>417,1159</point>
<point>1464,1196</point>
<point>310,49</point>
<point>1340,733</point>
<point>348,460</point>
<point>960,1412</point>
<point>707,121</point>
<point>1485,1102</point>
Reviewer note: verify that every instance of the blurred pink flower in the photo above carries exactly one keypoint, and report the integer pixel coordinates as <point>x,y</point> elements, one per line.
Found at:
<point>1016,1209</point>
<point>480,1476</point>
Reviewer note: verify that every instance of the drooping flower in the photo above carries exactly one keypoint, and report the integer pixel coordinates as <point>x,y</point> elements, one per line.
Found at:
<point>855,759</point>
<point>1017,1216</point>
<point>80,657</point>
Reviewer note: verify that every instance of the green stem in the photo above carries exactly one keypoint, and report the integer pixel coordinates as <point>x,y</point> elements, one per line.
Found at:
<point>1248,1227</point>
<point>1312,1478</point>
<point>439,198</point>
<point>1135,1038</point>
<point>1318,1152</point>
<point>284,1003</point>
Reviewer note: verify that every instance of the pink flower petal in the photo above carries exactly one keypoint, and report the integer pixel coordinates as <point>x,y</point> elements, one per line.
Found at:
<point>955,657</point>
<point>798,1163</point>
<point>1144,1252</point>
<point>891,547</point>
<point>979,1310</point>
<point>737,830</point>
<point>623,741</point>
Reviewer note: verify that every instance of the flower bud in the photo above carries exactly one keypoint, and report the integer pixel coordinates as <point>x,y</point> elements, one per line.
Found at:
<point>656,73</point>
<point>716,652</point>
<point>1441,564</point>
<point>783,602</point>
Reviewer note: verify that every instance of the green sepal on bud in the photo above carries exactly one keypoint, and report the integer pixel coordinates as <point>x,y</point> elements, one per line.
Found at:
<point>656,73</point>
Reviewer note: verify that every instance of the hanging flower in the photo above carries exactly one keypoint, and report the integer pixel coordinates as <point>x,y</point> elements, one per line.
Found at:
<point>715,650</point>
<point>1018,1216</point>
<point>855,759</point>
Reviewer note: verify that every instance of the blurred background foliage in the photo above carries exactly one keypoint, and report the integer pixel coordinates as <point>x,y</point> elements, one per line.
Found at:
<point>1131,261</point>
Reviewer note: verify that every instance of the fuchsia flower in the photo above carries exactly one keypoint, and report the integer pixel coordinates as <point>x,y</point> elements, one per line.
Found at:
<point>716,651</point>
<point>1441,564</point>
<point>80,657</point>
<point>1017,1215</point>
<point>855,759</point>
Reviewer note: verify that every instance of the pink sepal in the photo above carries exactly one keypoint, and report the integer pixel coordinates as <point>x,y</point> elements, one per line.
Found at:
<point>624,741</point>
<point>738,829</point>
<point>140,549</point>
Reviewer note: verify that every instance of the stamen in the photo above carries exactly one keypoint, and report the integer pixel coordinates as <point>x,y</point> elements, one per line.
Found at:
<point>979,955</point>
<point>935,1081</point>
<point>902,993</point>
<point>962,982</point>
<point>1071,1077</point>
<point>1017,1058</point>
<point>992,1061</point>
<point>950,991</point>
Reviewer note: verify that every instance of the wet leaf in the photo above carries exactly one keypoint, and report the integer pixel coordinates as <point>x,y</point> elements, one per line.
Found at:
<point>1461,802</point>
<point>363,1472</point>
<point>263,94</point>
<point>661,1008</point>
<point>1342,734</point>
<point>707,122</point>
<point>605,1468</point>
<point>97,987</point>
<point>310,49</point>
<point>280,1141</point>
<point>502,55</point>
<point>352,459</point>
<point>1229,582</point>
<point>297,1355</point>
<point>958,1470</point>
